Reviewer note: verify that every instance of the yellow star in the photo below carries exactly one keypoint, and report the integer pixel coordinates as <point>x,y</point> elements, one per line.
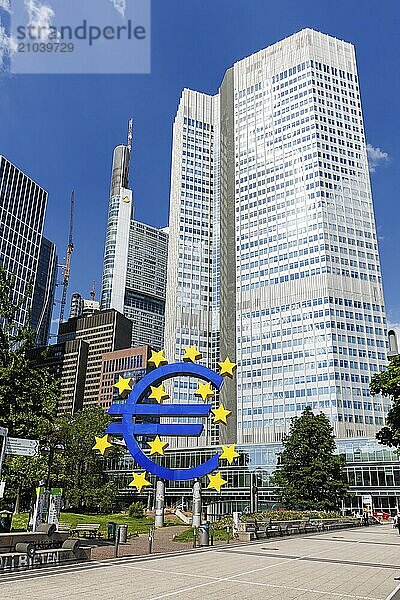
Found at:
<point>191,354</point>
<point>216,481</point>
<point>157,358</point>
<point>229,453</point>
<point>220,414</point>
<point>204,390</point>
<point>227,367</point>
<point>139,481</point>
<point>123,386</point>
<point>102,444</point>
<point>158,393</point>
<point>157,446</point>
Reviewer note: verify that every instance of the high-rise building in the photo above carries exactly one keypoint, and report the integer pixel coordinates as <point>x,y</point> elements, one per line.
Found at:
<point>273,256</point>
<point>192,301</point>
<point>44,291</point>
<point>130,363</point>
<point>104,332</point>
<point>67,363</point>
<point>146,281</point>
<point>83,307</point>
<point>135,261</point>
<point>22,212</point>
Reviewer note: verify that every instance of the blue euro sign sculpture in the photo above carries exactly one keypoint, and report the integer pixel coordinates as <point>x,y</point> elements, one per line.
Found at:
<point>134,407</point>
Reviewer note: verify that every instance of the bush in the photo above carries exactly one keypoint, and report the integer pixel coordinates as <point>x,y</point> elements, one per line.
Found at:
<point>136,510</point>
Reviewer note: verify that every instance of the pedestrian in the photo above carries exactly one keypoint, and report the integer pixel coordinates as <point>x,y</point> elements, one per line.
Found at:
<point>366,517</point>
<point>396,522</point>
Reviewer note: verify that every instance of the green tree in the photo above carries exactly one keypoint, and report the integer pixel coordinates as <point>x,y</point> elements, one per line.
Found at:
<point>28,399</point>
<point>310,474</point>
<point>28,394</point>
<point>387,383</point>
<point>76,467</point>
<point>22,475</point>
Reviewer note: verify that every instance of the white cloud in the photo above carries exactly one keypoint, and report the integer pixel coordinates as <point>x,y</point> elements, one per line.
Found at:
<point>120,6</point>
<point>376,157</point>
<point>7,46</point>
<point>40,17</point>
<point>5,5</point>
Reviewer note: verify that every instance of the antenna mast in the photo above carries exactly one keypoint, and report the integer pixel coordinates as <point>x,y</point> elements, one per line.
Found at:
<point>130,134</point>
<point>67,266</point>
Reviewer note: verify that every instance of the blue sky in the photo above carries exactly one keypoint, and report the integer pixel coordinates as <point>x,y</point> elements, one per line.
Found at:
<point>61,130</point>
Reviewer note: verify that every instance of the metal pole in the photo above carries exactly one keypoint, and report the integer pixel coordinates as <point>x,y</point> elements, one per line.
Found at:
<point>251,493</point>
<point>116,542</point>
<point>150,500</point>
<point>151,539</point>
<point>160,503</point>
<point>3,434</point>
<point>196,520</point>
<point>194,537</point>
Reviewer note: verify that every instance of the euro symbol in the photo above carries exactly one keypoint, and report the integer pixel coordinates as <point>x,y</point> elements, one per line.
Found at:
<point>134,407</point>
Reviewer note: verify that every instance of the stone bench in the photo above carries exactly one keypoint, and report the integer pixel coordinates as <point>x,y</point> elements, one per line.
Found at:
<point>328,524</point>
<point>44,538</point>
<point>71,552</point>
<point>254,530</point>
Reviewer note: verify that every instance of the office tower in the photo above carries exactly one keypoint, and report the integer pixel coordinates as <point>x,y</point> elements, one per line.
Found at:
<point>83,307</point>
<point>22,211</point>
<point>285,237</point>
<point>130,364</point>
<point>191,287</point>
<point>135,261</point>
<point>43,294</point>
<point>146,279</point>
<point>67,362</point>
<point>105,331</point>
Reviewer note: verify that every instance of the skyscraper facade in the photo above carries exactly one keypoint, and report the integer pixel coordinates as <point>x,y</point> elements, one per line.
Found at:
<point>22,212</point>
<point>135,261</point>
<point>44,291</point>
<point>190,318</point>
<point>130,363</point>
<point>273,248</point>
<point>67,362</point>
<point>146,276</point>
<point>105,331</point>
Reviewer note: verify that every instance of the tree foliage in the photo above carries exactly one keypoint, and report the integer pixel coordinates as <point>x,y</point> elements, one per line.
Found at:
<point>78,469</point>
<point>28,394</point>
<point>387,384</point>
<point>28,399</point>
<point>67,460</point>
<point>310,474</point>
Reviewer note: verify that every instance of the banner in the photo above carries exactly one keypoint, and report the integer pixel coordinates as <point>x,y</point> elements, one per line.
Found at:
<point>55,505</point>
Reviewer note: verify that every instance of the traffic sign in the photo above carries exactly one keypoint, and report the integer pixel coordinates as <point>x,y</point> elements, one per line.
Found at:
<point>22,447</point>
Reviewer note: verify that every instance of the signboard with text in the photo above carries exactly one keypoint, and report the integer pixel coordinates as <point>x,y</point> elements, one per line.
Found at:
<point>22,447</point>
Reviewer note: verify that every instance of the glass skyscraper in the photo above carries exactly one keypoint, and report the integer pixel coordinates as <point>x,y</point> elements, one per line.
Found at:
<point>273,256</point>
<point>43,295</point>
<point>22,212</point>
<point>135,261</point>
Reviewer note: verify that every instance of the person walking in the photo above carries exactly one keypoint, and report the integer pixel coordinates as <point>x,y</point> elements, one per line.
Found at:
<point>366,517</point>
<point>396,522</point>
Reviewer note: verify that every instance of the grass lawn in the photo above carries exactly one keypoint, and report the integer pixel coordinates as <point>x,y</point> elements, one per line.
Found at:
<point>134,524</point>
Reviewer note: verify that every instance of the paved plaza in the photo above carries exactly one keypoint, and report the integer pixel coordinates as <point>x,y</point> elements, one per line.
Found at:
<point>351,564</point>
